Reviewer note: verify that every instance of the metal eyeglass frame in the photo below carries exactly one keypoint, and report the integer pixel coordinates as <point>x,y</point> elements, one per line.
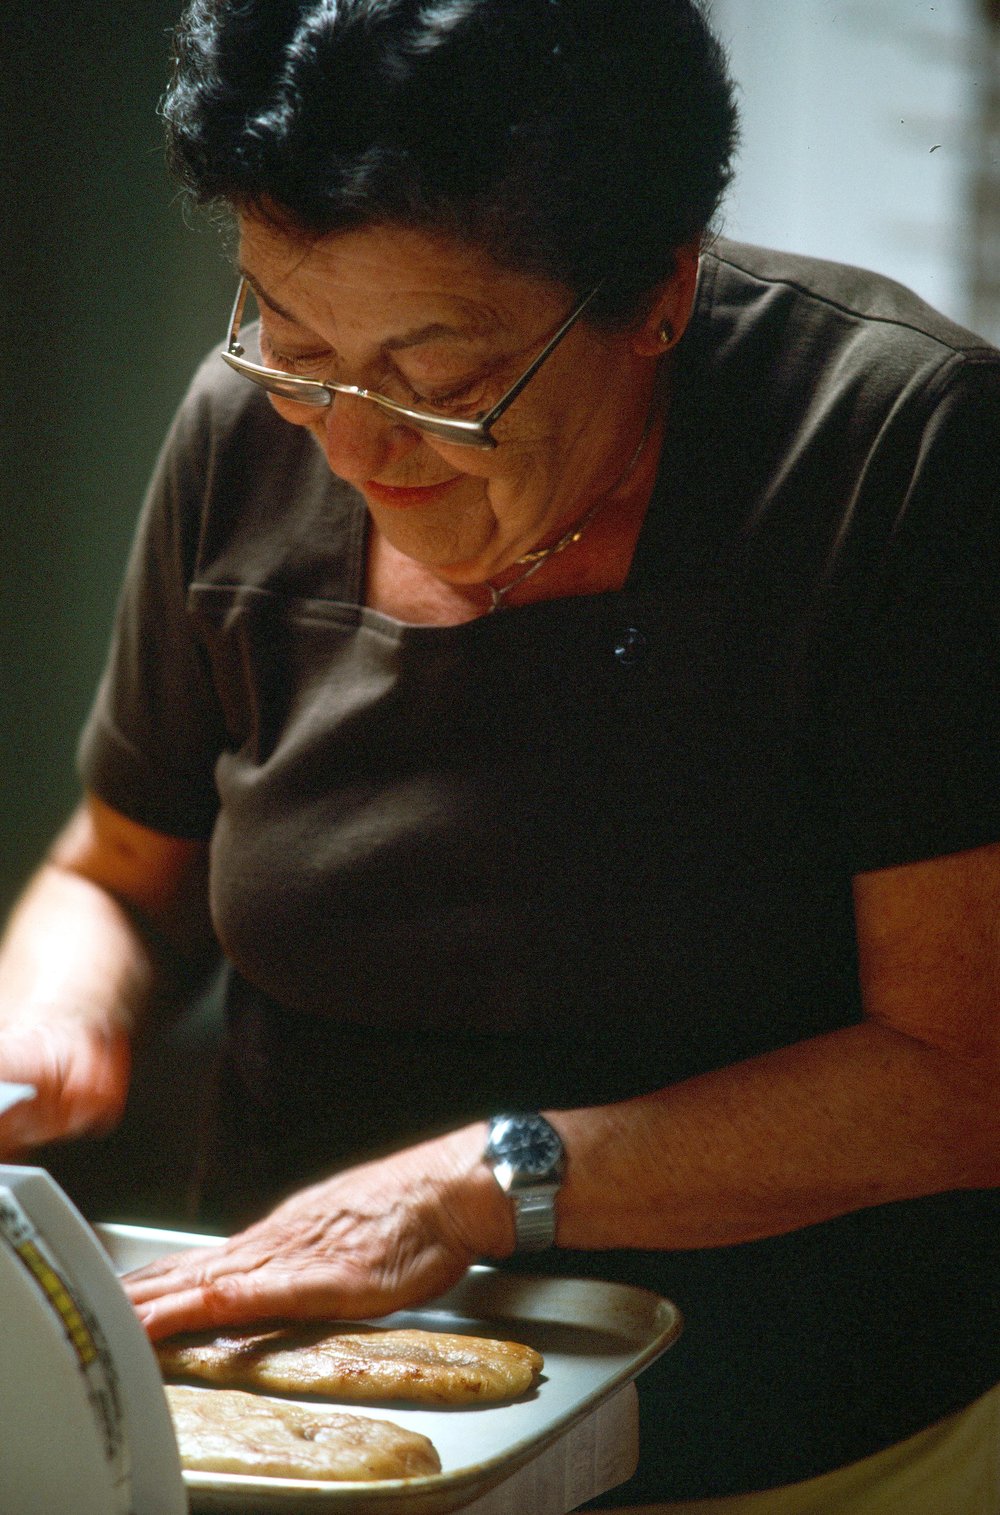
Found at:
<point>320,392</point>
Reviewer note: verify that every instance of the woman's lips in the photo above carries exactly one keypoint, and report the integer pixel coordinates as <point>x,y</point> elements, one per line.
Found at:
<point>406,497</point>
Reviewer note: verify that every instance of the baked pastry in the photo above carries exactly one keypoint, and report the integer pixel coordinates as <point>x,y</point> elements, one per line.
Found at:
<point>228,1431</point>
<point>356,1363</point>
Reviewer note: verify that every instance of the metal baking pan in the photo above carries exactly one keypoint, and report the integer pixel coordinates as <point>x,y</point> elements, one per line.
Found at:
<point>595,1338</point>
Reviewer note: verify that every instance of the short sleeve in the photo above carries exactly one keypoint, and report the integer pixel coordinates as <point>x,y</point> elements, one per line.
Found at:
<point>154,732</point>
<point>914,730</point>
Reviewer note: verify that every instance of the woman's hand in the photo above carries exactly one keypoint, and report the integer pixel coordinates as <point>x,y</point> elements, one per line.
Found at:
<point>376,1238</point>
<point>80,1071</point>
<point>108,924</point>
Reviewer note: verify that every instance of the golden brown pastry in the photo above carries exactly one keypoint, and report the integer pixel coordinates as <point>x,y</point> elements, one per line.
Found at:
<point>227,1431</point>
<point>356,1363</point>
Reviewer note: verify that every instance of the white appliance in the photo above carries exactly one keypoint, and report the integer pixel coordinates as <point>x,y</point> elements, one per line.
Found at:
<point>84,1423</point>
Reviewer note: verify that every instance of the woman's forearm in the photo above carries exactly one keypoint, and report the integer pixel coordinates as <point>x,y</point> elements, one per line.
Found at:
<point>116,913</point>
<point>113,920</point>
<point>71,950</point>
<point>896,1107</point>
<point>854,1118</point>
<point>76,981</point>
<point>797,1136</point>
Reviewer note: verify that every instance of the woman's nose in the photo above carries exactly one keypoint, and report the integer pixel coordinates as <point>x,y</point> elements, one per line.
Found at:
<point>359,440</point>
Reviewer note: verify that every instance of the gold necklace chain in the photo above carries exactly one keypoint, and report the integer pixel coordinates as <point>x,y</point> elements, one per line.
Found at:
<point>539,556</point>
<point>538,559</point>
<point>573,535</point>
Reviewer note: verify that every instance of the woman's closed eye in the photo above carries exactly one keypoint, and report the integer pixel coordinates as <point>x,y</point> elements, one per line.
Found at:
<point>468,397</point>
<point>294,362</point>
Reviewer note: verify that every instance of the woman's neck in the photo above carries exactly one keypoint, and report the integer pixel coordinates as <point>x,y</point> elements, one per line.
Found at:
<point>596,556</point>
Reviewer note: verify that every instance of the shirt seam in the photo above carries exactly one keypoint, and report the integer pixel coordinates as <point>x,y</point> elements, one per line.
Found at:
<point>979,351</point>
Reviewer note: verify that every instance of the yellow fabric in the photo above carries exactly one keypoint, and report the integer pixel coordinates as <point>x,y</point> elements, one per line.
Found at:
<point>952,1468</point>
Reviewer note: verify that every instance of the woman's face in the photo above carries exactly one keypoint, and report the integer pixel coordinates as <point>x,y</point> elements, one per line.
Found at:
<point>437,323</point>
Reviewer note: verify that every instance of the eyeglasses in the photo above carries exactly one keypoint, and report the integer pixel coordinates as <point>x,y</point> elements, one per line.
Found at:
<point>320,392</point>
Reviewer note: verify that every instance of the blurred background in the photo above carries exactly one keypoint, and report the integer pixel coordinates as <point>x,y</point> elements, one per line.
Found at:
<point>871,135</point>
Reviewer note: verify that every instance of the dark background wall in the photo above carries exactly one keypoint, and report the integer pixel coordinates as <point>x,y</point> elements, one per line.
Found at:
<point>108,300</point>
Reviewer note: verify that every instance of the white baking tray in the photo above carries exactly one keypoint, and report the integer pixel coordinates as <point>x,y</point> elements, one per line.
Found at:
<point>595,1338</point>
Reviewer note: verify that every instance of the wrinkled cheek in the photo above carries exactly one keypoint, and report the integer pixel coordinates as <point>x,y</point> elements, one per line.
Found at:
<point>530,478</point>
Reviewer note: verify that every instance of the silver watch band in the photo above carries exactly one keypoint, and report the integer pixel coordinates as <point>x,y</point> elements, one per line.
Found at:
<point>535,1219</point>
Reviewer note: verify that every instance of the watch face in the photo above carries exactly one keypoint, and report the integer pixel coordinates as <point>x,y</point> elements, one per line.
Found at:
<point>527,1143</point>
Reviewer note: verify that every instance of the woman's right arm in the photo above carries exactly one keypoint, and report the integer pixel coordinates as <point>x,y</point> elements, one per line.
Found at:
<point>115,917</point>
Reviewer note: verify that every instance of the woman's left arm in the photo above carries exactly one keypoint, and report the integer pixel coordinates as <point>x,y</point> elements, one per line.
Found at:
<point>901,1105</point>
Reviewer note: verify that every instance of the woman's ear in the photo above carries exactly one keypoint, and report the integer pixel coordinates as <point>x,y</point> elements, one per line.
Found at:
<point>670,311</point>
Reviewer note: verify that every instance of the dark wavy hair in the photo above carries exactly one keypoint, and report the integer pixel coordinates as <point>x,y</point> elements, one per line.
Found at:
<point>573,139</point>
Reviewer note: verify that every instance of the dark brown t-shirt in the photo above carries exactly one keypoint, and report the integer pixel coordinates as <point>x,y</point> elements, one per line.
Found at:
<point>589,847</point>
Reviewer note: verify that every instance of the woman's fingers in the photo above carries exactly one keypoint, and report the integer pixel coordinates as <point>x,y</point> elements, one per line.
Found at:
<point>226,1299</point>
<point>236,1289</point>
<point>81,1075</point>
<point>364,1243</point>
<point>377,1238</point>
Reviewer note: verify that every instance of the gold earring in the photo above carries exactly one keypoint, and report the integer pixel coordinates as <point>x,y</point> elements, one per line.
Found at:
<point>665,332</point>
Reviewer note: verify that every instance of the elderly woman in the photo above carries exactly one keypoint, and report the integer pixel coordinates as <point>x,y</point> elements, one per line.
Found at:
<point>559,659</point>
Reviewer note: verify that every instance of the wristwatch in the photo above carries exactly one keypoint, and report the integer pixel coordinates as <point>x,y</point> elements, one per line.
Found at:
<point>526,1156</point>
